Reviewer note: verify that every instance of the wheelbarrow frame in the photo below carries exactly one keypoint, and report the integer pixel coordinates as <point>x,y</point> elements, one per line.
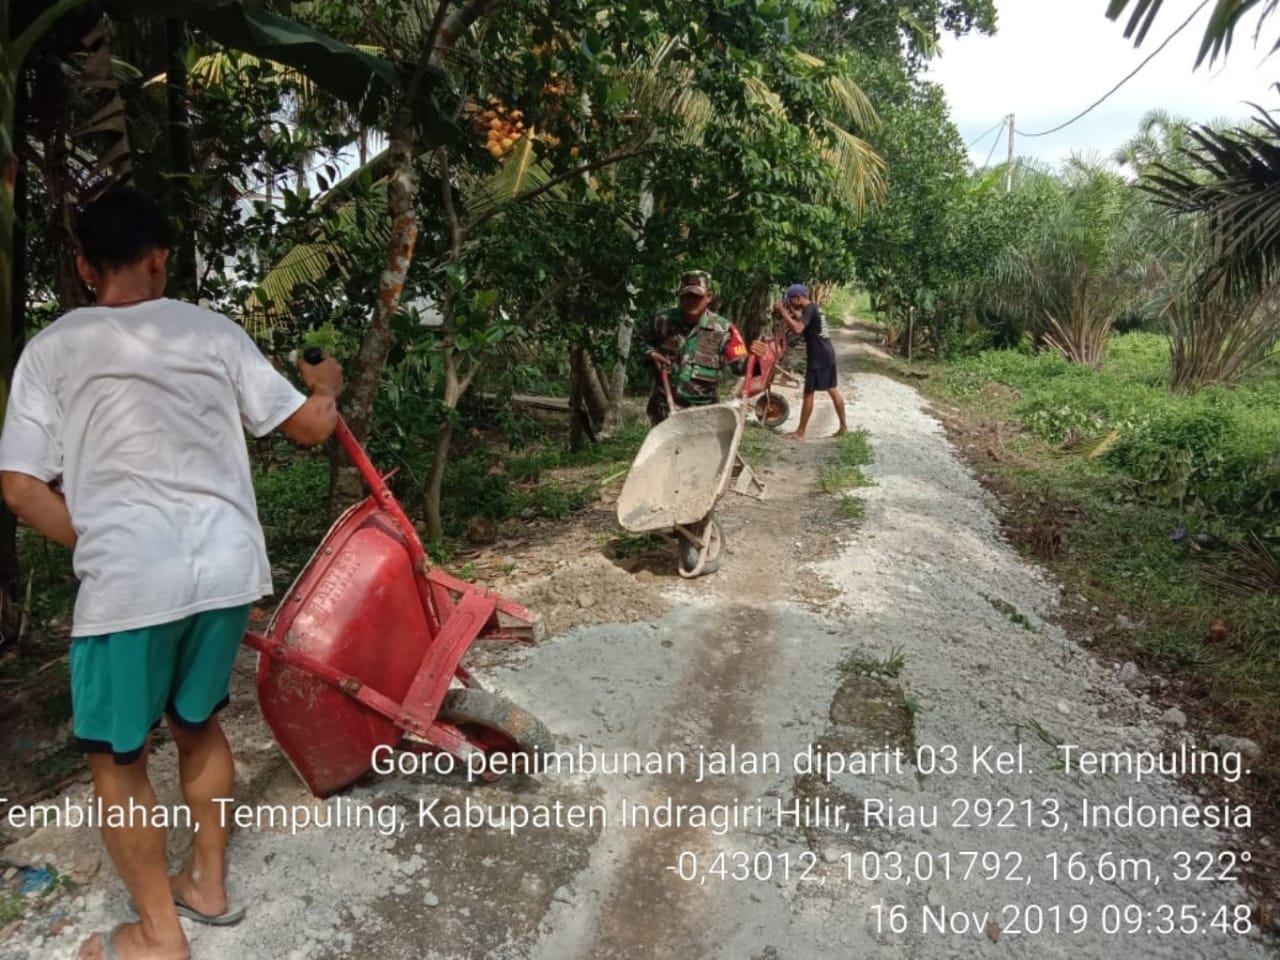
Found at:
<point>456,614</point>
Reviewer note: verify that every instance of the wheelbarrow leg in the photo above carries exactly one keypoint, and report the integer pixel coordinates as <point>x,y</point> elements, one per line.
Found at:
<point>745,480</point>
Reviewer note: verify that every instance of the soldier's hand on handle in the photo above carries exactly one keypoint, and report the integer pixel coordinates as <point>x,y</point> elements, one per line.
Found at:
<point>320,373</point>
<point>659,359</point>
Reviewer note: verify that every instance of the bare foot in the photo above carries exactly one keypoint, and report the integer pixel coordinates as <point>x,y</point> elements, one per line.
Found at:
<point>842,430</point>
<point>794,435</point>
<point>204,895</point>
<point>130,944</point>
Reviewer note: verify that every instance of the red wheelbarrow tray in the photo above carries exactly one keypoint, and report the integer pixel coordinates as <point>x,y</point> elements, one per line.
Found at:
<point>364,646</point>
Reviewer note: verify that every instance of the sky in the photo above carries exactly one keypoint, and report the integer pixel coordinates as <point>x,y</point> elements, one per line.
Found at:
<point>1049,59</point>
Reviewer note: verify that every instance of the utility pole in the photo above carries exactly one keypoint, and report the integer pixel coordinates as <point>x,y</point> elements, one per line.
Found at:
<point>1008,173</point>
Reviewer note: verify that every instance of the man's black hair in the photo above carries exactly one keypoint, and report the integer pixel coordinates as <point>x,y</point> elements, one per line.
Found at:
<point>120,228</point>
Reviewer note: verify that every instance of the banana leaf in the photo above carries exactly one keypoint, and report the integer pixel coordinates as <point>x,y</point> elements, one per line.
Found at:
<point>354,76</point>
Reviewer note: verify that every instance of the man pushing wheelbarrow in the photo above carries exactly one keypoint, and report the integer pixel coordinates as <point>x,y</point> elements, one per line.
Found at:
<point>688,460</point>
<point>140,403</point>
<point>693,347</point>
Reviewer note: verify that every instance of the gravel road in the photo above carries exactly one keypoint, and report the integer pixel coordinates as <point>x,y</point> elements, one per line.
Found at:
<point>774,654</point>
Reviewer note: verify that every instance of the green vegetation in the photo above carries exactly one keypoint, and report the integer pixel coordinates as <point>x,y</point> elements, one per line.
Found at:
<point>1008,610</point>
<point>851,507</point>
<point>890,665</point>
<point>844,470</point>
<point>1211,455</point>
<point>634,544</point>
<point>759,447</point>
<point>11,908</point>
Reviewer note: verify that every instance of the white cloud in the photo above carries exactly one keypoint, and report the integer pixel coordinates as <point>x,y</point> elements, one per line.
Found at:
<point>1051,58</point>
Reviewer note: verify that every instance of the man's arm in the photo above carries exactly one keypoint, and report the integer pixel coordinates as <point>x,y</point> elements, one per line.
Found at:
<point>39,506</point>
<point>315,420</point>
<point>789,318</point>
<point>652,340</point>
<point>735,351</point>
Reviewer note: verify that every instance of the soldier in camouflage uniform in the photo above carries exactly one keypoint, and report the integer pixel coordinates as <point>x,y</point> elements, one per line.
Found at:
<point>695,345</point>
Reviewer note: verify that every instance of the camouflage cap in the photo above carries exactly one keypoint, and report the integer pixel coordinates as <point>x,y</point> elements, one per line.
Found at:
<point>695,281</point>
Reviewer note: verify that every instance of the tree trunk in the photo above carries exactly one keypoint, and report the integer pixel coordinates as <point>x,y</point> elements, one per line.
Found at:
<point>455,386</point>
<point>577,404</point>
<point>618,378</point>
<point>51,126</point>
<point>431,502</point>
<point>344,487</point>
<point>593,391</point>
<point>178,129</point>
<point>13,294</point>
<point>366,376</point>
<point>753,309</point>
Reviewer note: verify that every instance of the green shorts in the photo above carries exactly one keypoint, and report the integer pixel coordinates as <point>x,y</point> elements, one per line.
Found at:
<point>122,683</point>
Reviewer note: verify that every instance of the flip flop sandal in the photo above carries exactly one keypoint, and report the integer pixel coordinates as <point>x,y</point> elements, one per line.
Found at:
<point>227,919</point>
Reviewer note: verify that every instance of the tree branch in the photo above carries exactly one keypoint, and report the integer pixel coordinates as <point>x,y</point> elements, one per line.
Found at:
<point>437,24</point>
<point>553,291</point>
<point>456,233</point>
<point>456,24</point>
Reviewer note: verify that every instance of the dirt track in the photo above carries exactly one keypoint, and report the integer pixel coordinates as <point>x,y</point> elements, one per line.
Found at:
<point>762,657</point>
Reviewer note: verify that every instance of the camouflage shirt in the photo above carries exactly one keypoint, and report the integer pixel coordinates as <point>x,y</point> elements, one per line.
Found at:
<point>698,354</point>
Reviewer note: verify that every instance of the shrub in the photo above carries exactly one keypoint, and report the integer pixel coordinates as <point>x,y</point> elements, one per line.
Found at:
<point>1217,452</point>
<point>1177,453</point>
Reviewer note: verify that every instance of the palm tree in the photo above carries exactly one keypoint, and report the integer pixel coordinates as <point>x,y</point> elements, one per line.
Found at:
<point>1161,138</point>
<point>1231,177</point>
<point>1084,267</point>
<point>1218,34</point>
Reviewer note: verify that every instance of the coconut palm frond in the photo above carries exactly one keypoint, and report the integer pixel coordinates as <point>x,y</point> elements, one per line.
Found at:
<point>313,262</point>
<point>854,103</point>
<point>213,69</point>
<point>694,108</point>
<point>760,94</point>
<point>859,171</point>
<point>303,265</point>
<point>520,172</point>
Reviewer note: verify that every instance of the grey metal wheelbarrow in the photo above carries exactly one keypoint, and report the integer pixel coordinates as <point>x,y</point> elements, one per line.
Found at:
<point>681,471</point>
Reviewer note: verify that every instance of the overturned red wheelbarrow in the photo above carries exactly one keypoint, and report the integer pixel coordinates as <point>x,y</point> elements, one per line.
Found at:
<point>365,649</point>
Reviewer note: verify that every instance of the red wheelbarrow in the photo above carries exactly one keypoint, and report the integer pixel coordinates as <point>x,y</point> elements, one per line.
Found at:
<point>364,650</point>
<point>771,409</point>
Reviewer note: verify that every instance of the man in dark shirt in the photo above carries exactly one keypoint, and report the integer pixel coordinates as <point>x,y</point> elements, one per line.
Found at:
<point>805,318</point>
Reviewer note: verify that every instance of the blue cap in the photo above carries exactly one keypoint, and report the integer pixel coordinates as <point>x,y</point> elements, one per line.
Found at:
<point>797,290</point>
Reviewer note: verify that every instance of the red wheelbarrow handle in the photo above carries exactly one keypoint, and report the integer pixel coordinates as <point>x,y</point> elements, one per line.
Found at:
<point>666,385</point>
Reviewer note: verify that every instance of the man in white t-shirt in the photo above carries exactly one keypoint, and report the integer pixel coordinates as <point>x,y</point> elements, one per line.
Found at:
<point>140,404</point>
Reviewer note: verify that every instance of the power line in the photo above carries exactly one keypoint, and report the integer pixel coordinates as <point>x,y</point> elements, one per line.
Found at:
<point>1131,75</point>
<point>983,136</point>
<point>994,143</point>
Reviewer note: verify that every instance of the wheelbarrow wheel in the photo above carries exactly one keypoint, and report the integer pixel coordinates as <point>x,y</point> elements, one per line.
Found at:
<point>495,724</point>
<point>715,553</point>
<point>772,409</point>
